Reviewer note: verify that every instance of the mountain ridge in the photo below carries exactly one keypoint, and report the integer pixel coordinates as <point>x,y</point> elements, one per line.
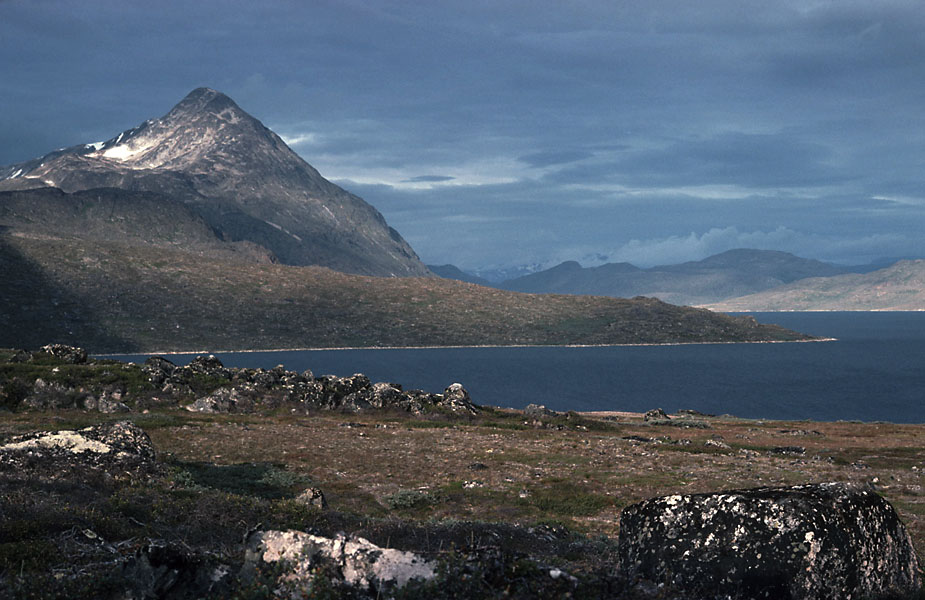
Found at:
<point>728,274</point>
<point>240,177</point>
<point>898,287</point>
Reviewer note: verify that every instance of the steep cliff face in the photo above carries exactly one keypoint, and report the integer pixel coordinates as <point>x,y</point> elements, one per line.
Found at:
<point>241,178</point>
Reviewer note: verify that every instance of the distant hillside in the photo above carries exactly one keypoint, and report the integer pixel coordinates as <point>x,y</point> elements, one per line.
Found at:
<point>112,296</point>
<point>730,274</point>
<point>899,287</point>
<point>454,272</point>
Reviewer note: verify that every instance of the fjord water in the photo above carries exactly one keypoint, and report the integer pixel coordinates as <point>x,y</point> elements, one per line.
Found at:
<point>874,371</point>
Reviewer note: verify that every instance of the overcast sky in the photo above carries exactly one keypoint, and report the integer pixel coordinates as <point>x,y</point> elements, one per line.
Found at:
<point>502,133</point>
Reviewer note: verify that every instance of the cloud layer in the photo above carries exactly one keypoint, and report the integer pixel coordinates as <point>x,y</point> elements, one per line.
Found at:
<point>520,132</point>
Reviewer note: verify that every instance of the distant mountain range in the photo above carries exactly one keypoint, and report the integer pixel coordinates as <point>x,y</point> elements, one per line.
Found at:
<point>235,176</point>
<point>727,275</point>
<point>898,287</point>
<point>453,272</point>
<point>203,230</point>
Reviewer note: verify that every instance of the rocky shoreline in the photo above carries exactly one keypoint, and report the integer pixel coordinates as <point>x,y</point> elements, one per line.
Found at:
<point>174,490</point>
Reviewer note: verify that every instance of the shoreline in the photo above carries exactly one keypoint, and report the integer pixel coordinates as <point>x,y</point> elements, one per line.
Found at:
<point>451,347</point>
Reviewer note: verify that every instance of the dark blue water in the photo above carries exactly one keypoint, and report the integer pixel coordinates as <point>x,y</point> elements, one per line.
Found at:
<point>875,371</point>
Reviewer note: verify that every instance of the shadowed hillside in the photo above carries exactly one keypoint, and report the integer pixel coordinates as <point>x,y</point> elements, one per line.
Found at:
<point>155,298</point>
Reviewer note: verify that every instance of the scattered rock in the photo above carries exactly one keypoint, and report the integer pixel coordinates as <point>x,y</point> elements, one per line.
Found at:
<point>109,401</point>
<point>477,466</point>
<point>360,563</point>
<point>312,497</point>
<point>788,450</point>
<point>716,444</point>
<point>656,414</point>
<point>818,541</point>
<point>801,432</point>
<point>638,438</point>
<point>689,412</point>
<point>50,395</point>
<point>223,400</point>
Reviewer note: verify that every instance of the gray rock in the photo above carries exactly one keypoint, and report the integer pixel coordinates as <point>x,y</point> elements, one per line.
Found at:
<point>109,401</point>
<point>359,562</point>
<point>158,369</point>
<point>312,497</point>
<point>206,364</point>
<point>456,398</point>
<point>538,411</point>
<point>810,542</point>
<point>385,395</point>
<point>50,395</point>
<point>68,354</point>
<point>656,414</point>
<point>223,400</point>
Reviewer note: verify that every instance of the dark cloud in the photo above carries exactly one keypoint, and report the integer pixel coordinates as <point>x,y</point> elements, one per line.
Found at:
<point>565,128</point>
<point>429,178</point>
<point>546,159</point>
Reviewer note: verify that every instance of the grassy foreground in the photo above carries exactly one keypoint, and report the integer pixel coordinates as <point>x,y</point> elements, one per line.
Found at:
<point>551,486</point>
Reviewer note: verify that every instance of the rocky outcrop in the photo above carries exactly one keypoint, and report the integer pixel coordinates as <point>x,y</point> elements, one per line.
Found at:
<point>656,414</point>
<point>809,542</point>
<point>248,389</point>
<point>114,448</point>
<point>68,354</point>
<point>357,562</point>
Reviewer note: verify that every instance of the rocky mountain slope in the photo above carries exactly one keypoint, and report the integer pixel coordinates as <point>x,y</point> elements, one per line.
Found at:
<point>237,177</point>
<point>899,287</point>
<point>729,274</point>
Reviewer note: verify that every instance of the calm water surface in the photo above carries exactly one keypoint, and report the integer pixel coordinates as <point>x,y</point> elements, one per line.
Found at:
<point>875,371</point>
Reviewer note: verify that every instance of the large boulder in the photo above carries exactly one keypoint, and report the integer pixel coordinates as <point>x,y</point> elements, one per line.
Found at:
<point>115,448</point>
<point>820,541</point>
<point>359,563</point>
<point>456,398</point>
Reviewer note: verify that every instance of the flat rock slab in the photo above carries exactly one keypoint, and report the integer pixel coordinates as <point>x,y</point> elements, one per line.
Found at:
<point>819,541</point>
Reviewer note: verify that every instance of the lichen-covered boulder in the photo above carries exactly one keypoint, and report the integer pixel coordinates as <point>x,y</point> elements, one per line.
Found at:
<point>385,395</point>
<point>360,563</point>
<point>456,398</point>
<point>115,448</point>
<point>809,542</point>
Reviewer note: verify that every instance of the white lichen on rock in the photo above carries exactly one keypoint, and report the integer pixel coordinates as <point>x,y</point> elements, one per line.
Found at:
<point>362,563</point>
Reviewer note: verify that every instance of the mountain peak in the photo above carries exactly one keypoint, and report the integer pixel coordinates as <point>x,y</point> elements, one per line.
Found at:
<point>241,178</point>
<point>204,100</point>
